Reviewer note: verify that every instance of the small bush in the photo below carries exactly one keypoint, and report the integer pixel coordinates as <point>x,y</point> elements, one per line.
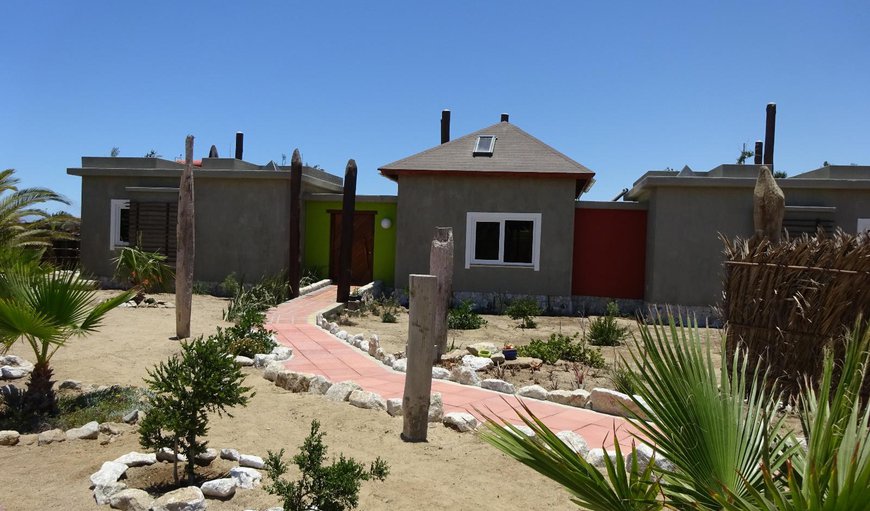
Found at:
<point>310,276</point>
<point>230,285</point>
<point>463,317</point>
<point>334,487</point>
<point>524,310</point>
<point>247,337</point>
<point>389,307</point>
<point>623,379</point>
<point>563,347</point>
<point>270,291</point>
<point>605,330</point>
<point>145,271</point>
<point>200,288</point>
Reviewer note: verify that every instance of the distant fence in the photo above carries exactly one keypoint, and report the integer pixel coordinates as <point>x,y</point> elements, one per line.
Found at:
<point>787,302</point>
<point>63,253</point>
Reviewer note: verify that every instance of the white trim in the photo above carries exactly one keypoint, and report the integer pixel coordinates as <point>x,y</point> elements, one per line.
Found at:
<point>115,223</point>
<point>473,217</point>
<point>863,225</point>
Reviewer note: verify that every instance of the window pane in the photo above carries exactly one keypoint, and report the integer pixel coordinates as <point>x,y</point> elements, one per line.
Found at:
<point>124,225</point>
<point>486,241</point>
<point>484,144</point>
<point>518,241</point>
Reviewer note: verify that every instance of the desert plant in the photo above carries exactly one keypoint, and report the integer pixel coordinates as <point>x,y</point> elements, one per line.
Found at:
<point>46,309</point>
<point>463,317</point>
<point>389,306</point>
<point>270,291</point>
<point>230,285</point>
<point>605,330</point>
<point>145,271</point>
<point>247,337</point>
<point>524,310</point>
<point>563,347</point>
<point>310,275</point>
<point>186,389</point>
<point>622,378</point>
<point>22,221</point>
<point>327,488</point>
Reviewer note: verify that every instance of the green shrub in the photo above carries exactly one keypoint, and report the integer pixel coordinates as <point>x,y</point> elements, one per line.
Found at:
<point>247,337</point>
<point>200,288</point>
<point>389,307</point>
<point>463,317</point>
<point>270,291</point>
<point>230,285</point>
<point>623,379</point>
<point>563,347</point>
<point>310,275</point>
<point>333,488</point>
<point>145,271</point>
<point>605,330</point>
<point>524,310</point>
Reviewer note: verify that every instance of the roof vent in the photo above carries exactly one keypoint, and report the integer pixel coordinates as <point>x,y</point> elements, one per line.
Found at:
<point>504,117</point>
<point>485,145</point>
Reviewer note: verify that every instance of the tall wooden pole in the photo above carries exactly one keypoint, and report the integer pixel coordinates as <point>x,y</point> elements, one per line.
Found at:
<point>294,270</point>
<point>423,291</point>
<point>185,246</point>
<point>759,152</point>
<point>769,135</point>
<point>441,265</point>
<point>347,213</point>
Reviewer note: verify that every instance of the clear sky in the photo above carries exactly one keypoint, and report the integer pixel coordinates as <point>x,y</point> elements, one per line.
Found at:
<point>621,87</point>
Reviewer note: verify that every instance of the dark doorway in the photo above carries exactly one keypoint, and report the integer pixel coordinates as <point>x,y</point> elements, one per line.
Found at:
<point>362,258</point>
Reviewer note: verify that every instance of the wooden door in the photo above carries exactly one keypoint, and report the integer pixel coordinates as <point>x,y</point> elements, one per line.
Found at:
<point>362,253</point>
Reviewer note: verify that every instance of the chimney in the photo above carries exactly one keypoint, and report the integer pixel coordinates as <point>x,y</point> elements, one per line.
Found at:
<point>759,151</point>
<point>769,132</point>
<point>213,152</point>
<point>445,126</point>
<point>240,144</point>
<point>504,117</point>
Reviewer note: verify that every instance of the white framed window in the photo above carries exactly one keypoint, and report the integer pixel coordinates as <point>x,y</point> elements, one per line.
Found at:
<point>503,239</point>
<point>119,224</point>
<point>863,225</point>
<point>484,146</point>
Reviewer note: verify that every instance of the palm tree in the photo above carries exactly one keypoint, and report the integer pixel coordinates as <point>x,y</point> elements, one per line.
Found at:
<point>44,309</point>
<point>22,221</point>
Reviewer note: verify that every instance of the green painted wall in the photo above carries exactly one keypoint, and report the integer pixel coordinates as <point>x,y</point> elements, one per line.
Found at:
<point>316,250</point>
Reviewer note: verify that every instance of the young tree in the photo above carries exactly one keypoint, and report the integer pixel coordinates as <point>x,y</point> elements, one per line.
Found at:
<point>202,380</point>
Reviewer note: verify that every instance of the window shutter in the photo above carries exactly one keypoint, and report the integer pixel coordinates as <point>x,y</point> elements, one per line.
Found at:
<point>152,227</point>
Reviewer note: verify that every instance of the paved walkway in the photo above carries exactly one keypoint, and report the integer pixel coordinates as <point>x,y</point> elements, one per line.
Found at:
<point>316,351</point>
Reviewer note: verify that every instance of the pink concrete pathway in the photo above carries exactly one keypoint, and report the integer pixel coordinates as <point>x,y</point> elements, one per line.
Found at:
<point>316,351</point>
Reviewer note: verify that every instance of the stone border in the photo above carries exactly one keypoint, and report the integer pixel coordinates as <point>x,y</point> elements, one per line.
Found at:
<point>314,287</point>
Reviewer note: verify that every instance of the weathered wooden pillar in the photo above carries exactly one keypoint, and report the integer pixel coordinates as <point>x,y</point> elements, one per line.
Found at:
<point>184,245</point>
<point>769,135</point>
<point>345,250</point>
<point>441,265</point>
<point>759,152</point>
<point>423,291</point>
<point>768,207</point>
<point>294,269</point>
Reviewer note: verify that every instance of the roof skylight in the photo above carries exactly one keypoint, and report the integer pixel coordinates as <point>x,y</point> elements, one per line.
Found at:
<point>485,145</point>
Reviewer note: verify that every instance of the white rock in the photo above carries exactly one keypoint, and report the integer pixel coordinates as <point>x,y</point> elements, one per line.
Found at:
<point>401,365</point>
<point>166,455</point>
<point>476,363</point>
<point>131,500</point>
<point>461,421</point>
<point>498,385</point>
<point>230,454</point>
<point>613,402</point>
<point>394,407</point>
<point>245,477</point>
<point>219,488</point>
<point>380,354</point>
<point>333,328</point>
<point>70,385</point>
<point>596,457</point>
<point>340,391</point>
<point>189,498</point>
<point>342,334</point>
<point>367,400</point>
<point>533,391</point>
<point>51,436</point>
<point>282,352</point>
<point>464,375</point>
<point>576,442</point>
<point>475,348</point>
<point>108,474</point>
<point>439,373</point>
<point>293,381</point>
<point>249,460</point>
<point>263,359</point>
<point>319,385</point>
<point>645,454</point>
<point>103,492</point>
<point>272,370</point>
<point>525,430</point>
<point>89,431</point>
<point>497,358</point>
<point>9,437</point>
<point>436,407</point>
<point>205,458</point>
<point>363,345</point>
<point>13,373</point>
<point>137,459</point>
<point>243,361</point>
<point>389,360</point>
<point>134,417</point>
<point>16,361</point>
<point>577,398</point>
<point>373,346</point>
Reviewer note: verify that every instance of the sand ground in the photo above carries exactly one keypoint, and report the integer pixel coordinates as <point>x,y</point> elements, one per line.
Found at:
<point>451,471</point>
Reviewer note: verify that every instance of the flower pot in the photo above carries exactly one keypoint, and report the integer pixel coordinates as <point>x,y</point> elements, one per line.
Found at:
<point>509,354</point>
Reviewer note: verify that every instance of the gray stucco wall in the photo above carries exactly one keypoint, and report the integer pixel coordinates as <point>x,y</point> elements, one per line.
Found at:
<point>429,201</point>
<point>684,253</point>
<point>241,223</point>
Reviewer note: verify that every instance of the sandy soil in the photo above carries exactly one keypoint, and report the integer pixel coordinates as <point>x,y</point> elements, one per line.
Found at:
<point>452,470</point>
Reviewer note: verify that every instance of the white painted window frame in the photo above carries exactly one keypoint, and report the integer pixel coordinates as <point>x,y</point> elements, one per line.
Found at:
<point>473,217</point>
<point>115,223</point>
<point>863,225</point>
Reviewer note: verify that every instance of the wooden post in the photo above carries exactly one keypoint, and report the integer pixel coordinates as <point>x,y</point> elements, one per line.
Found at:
<point>423,291</point>
<point>768,207</point>
<point>441,265</point>
<point>759,152</point>
<point>769,135</point>
<point>294,270</point>
<point>185,246</point>
<point>347,212</point>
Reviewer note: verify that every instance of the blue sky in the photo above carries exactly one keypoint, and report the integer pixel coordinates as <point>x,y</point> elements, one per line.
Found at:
<point>622,87</point>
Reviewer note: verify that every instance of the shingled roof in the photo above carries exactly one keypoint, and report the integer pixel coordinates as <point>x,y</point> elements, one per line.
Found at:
<point>515,153</point>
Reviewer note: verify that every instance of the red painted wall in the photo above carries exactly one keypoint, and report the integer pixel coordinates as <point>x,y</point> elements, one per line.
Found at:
<point>609,253</point>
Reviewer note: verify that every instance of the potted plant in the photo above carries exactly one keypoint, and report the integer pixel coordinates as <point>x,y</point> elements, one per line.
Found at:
<point>509,351</point>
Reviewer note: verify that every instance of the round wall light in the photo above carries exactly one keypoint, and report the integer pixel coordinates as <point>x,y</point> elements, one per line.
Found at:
<point>386,223</point>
